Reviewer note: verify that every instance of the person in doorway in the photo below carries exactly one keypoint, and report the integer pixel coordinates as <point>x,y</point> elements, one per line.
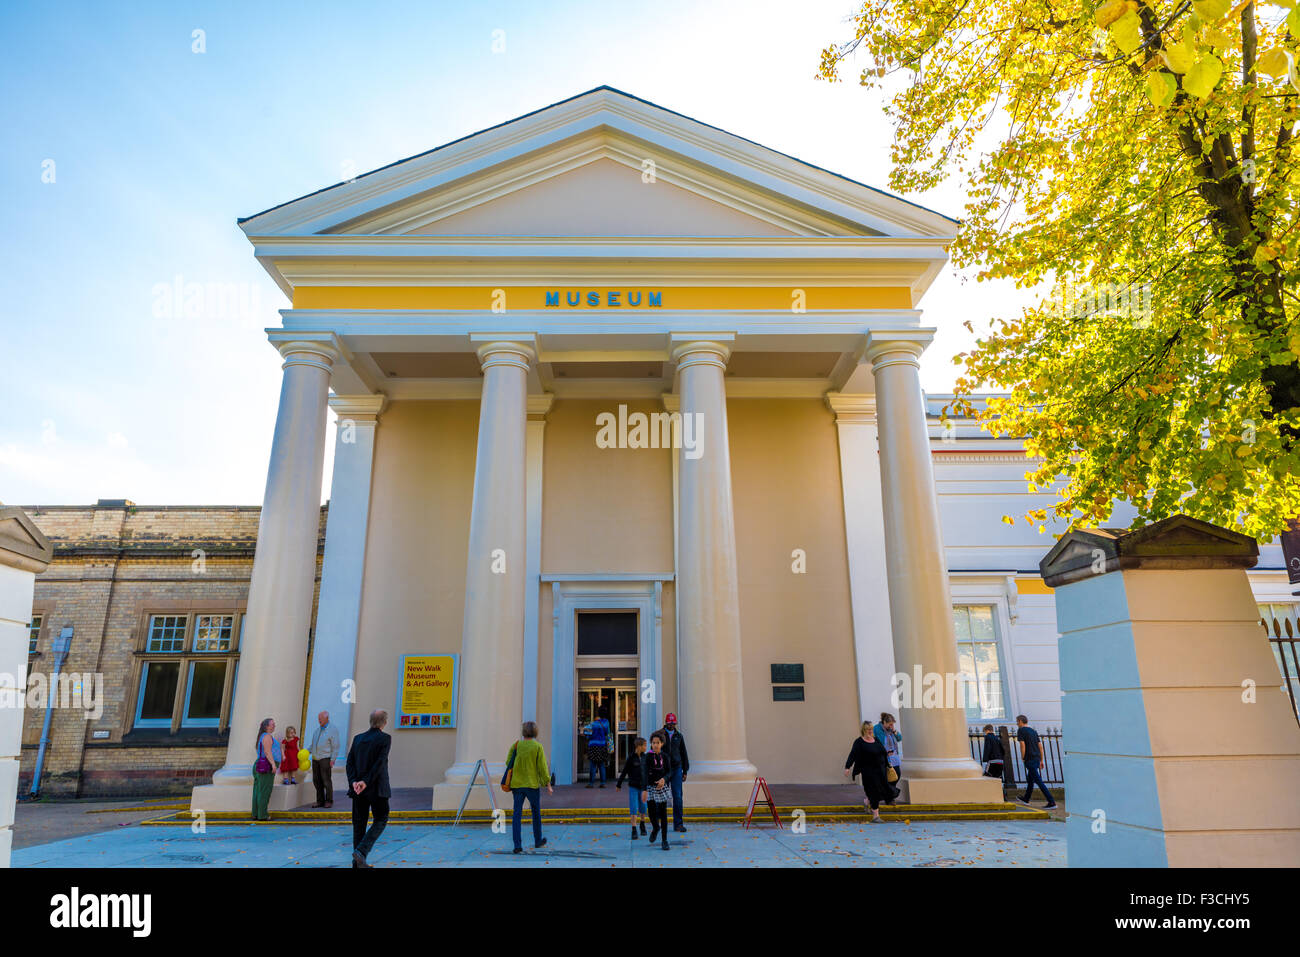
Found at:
<point>528,773</point>
<point>658,790</point>
<point>289,763</point>
<point>597,734</point>
<point>634,771</point>
<point>267,759</point>
<point>869,758</point>
<point>367,769</point>
<point>1031,753</point>
<point>993,757</point>
<point>887,734</point>
<point>324,752</point>
<point>680,763</point>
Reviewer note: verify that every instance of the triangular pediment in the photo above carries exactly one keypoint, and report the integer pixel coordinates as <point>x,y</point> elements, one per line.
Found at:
<point>605,197</point>
<point>602,164</point>
<point>21,542</point>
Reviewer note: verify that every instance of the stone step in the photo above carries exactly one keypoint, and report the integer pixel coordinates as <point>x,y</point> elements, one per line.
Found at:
<point>720,815</point>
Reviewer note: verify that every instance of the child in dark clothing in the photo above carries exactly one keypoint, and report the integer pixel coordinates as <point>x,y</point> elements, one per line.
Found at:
<point>992,757</point>
<point>634,770</point>
<point>658,793</point>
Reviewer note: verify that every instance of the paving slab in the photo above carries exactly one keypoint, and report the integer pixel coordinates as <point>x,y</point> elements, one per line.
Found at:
<point>927,844</point>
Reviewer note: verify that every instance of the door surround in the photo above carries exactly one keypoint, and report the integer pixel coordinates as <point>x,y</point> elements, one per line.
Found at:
<point>571,594</point>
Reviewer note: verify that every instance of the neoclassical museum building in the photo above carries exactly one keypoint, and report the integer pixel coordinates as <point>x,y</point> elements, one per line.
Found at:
<point>628,419</point>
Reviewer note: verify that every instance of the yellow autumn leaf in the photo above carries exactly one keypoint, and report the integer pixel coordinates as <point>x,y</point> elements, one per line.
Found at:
<point>1178,57</point>
<point>1211,10</point>
<point>1265,254</point>
<point>1204,76</point>
<point>1275,63</point>
<point>1110,11</point>
<point>1220,39</point>
<point>1126,32</point>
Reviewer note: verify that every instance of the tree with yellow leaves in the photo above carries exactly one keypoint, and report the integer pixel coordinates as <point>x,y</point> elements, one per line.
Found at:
<point>1137,158</point>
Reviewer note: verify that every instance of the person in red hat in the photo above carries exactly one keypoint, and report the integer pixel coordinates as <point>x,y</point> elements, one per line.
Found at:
<point>679,762</point>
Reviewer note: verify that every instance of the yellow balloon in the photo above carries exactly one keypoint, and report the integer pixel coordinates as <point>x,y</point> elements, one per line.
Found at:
<point>304,759</point>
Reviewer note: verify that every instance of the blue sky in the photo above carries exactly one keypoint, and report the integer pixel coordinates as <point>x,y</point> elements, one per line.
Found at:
<point>156,150</point>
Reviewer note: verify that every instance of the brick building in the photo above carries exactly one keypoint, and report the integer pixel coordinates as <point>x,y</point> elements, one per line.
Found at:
<point>156,597</point>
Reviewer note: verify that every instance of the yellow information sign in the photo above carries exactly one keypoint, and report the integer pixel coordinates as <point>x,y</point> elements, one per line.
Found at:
<point>427,691</point>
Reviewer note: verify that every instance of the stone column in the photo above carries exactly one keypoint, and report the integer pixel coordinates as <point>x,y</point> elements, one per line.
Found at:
<point>338,615</point>
<point>711,713</point>
<point>864,533</point>
<point>273,647</point>
<point>24,553</point>
<point>937,765</point>
<point>490,696</point>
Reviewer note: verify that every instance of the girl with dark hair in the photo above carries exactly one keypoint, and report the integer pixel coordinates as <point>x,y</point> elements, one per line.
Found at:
<point>266,761</point>
<point>658,792</point>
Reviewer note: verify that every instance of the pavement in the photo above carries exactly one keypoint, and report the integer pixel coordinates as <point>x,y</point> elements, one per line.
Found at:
<point>928,844</point>
<point>41,822</point>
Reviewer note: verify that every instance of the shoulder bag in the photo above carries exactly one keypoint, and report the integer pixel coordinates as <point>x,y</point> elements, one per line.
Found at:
<point>510,769</point>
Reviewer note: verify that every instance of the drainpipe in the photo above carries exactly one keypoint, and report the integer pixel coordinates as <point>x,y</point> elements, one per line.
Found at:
<point>61,646</point>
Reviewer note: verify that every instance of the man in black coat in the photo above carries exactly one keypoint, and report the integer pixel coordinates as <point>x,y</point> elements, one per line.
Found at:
<point>367,770</point>
<point>680,762</point>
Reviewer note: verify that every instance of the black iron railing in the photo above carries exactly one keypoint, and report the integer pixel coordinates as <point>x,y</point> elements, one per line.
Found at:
<point>1281,625</point>
<point>1052,767</point>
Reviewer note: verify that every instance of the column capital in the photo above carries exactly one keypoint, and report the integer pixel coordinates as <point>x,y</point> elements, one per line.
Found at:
<point>693,348</point>
<point>856,409</point>
<point>887,347</point>
<point>510,349</point>
<point>316,349</point>
<point>539,406</point>
<point>364,407</point>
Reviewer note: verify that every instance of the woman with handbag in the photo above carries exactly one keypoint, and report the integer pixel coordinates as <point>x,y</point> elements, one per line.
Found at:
<point>869,758</point>
<point>268,759</point>
<point>526,773</point>
<point>887,734</point>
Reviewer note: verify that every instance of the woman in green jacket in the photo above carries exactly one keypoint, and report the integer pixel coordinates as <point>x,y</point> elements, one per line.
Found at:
<point>528,773</point>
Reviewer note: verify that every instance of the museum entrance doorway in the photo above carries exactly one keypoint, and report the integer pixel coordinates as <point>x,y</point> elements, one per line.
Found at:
<point>607,664</point>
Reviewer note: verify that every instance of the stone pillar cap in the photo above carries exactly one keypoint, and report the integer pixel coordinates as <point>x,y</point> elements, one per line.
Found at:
<point>22,544</point>
<point>1179,541</point>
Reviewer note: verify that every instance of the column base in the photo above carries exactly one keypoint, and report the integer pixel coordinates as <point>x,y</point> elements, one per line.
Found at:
<point>238,797</point>
<point>962,790</point>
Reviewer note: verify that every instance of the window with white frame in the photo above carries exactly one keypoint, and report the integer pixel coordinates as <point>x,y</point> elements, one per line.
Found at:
<point>1281,622</point>
<point>980,660</point>
<point>186,672</point>
<point>33,633</point>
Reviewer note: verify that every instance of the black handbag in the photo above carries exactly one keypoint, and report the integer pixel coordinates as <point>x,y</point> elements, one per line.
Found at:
<point>510,768</point>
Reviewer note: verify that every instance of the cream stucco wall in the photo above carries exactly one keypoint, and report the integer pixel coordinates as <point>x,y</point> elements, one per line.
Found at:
<point>786,482</point>
<point>604,510</point>
<point>413,595</point>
